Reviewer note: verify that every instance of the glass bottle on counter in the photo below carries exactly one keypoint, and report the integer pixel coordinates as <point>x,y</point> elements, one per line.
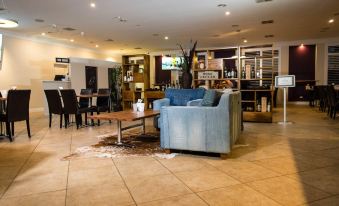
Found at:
<point>269,106</point>
<point>235,73</point>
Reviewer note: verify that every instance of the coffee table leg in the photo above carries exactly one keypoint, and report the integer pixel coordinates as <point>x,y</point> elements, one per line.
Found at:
<point>119,133</point>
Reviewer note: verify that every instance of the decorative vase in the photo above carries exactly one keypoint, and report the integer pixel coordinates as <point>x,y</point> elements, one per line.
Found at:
<point>187,80</point>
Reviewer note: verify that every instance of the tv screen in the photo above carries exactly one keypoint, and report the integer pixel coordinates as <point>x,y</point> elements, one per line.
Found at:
<point>171,63</point>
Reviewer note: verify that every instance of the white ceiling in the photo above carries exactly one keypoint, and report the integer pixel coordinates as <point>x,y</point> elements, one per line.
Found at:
<point>180,20</point>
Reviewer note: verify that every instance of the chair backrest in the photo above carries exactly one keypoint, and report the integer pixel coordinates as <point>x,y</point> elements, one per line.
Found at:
<point>84,102</point>
<point>54,101</point>
<point>18,105</point>
<point>180,97</point>
<point>70,101</point>
<point>104,101</point>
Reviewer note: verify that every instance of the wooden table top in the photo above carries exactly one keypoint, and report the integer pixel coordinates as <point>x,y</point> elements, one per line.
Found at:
<point>92,95</point>
<point>127,115</point>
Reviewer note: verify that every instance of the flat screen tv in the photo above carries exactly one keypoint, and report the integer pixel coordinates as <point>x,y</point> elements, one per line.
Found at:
<point>171,63</point>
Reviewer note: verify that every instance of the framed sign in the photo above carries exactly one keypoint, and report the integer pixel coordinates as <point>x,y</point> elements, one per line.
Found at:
<point>214,64</point>
<point>62,60</point>
<point>285,81</point>
<point>208,75</point>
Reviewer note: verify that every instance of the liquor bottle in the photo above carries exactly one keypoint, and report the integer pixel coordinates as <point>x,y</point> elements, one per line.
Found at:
<point>232,73</point>
<point>229,73</point>
<point>258,74</point>
<point>243,73</point>
<point>235,73</point>
<point>269,106</point>
<point>258,106</point>
<point>225,72</point>
<point>252,73</point>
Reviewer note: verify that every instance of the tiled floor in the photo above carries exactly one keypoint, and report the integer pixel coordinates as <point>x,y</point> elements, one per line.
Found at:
<point>273,164</point>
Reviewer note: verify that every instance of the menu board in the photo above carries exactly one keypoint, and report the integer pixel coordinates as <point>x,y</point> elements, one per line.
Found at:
<point>285,81</point>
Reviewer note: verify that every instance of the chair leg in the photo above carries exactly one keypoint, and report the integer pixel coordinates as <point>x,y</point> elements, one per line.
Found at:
<point>98,119</point>
<point>61,121</point>
<point>8,130</point>
<point>66,120</point>
<point>12,128</point>
<point>85,118</point>
<point>28,128</point>
<point>77,120</point>
<point>50,120</point>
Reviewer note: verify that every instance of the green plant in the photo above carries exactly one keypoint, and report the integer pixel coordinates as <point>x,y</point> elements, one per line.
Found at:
<point>186,65</point>
<point>115,82</point>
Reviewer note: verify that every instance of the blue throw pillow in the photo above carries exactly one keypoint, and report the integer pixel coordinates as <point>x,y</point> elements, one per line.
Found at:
<point>211,98</point>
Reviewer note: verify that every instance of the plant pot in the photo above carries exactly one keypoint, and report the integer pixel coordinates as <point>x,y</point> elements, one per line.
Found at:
<point>187,80</point>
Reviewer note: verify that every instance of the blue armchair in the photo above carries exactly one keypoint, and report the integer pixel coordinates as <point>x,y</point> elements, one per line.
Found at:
<point>199,128</point>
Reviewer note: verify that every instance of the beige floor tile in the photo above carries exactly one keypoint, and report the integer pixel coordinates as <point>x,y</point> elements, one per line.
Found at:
<point>93,177</point>
<point>36,184</point>
<point>143,166</point>
<point>326,179</point>
<point>285,165</point>
<point>90,163</point>
<point>184,163</point>
<point>237,195</point>
<point>331,201</point>
<point>4,185</point>
<point>206,179</point>
<point>8,173</point>
<point>103,194</point>
<point>42,199</point>
<point>146,189</point>
<point>184,200</point>
<point>245,171</point>
<point>287,191</point>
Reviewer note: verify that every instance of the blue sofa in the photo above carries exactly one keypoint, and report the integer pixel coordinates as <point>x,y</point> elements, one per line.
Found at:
<point>200,128</point>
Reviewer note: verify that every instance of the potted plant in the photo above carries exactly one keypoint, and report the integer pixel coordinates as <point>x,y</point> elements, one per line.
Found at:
<point>186,65</point>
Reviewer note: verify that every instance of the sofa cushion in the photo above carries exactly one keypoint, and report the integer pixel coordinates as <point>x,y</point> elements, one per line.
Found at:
<point>211,98</point>
<point>180,97</point>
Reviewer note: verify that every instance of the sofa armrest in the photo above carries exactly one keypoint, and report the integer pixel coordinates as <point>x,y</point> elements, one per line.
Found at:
<point>196,102</point>
<point>157,104</point>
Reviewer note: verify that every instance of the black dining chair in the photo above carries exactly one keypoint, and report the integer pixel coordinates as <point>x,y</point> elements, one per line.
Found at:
<point>103,103</point>
<point>71,106</point>
<point>54,104</point>
<point>17,109</point>
<point>84,102</point>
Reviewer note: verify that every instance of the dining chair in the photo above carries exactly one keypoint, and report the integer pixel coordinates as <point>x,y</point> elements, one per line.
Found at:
<point>54,104</point>
<point>71,106</point>
<point>85,102</point>
<point>17,109</point>
<point>103,103</point>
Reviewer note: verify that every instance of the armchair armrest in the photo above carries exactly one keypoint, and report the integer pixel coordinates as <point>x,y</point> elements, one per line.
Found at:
<point>196,102</point>
<point>157,104</point>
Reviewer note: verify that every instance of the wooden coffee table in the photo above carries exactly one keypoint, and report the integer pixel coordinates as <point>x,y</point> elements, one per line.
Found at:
<point>129,116</point>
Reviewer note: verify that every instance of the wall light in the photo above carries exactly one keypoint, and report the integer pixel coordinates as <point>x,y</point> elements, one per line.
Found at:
<point>92,4</point>
<point>331,21</point>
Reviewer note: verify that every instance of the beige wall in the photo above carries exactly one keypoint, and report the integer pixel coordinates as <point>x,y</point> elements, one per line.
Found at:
<point>27,62</point>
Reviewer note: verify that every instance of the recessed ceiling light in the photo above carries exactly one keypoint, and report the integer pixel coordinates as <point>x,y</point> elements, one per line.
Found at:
<point>96,46</point>
<point>245,40</point>
<point>39,20</point>
<point>227,13</point>
<point>110,40</point>
<point>43,33</point>
<point>137,48</point>
<point>269,36</point>
<point>72,40</point>
<point>221,5</point>
<point>8,23</point>
<point>166,38</point>
<point>331,21</point>
<point>92,4</point>
<point>268,21</point>
<point>82,33</point>
<point>155,34</point>
<point>235,25</point>
<point>69,29</point>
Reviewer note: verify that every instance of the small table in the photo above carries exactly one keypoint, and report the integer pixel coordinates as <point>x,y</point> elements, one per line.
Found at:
<point>128,115</point>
